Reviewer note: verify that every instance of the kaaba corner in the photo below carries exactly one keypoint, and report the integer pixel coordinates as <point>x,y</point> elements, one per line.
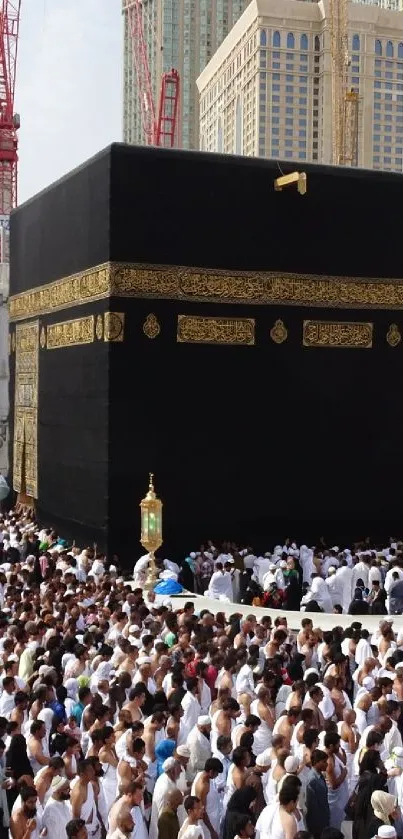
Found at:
<point>175,312</point>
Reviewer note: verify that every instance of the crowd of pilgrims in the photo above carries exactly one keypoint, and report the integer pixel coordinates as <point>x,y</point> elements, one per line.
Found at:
<point>367,579</point>
<point>129,715</point>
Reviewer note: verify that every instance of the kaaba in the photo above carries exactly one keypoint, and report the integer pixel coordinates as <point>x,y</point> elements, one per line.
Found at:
<point>173,312</point>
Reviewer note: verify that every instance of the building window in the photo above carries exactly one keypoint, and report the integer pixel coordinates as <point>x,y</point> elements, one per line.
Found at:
<point>400,51</point>
<point>276,39</point>
<point>290,41</point>
<point>378,47</point>
<point>263,38</point>
<point>356,43</point>
<point>304,42</point>
<point>317,43</point>
<point>238,126</point>
<point>220,144</point>
<point>389,49</point>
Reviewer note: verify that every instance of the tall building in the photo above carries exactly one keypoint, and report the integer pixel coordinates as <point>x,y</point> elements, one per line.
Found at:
<point>268,89</point>
<point>179,34</point>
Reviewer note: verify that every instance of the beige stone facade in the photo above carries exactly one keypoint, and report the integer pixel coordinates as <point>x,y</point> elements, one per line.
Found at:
<point>267,91</point>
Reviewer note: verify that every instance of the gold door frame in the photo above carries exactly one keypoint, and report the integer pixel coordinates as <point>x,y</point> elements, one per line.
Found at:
<point>25,460</point>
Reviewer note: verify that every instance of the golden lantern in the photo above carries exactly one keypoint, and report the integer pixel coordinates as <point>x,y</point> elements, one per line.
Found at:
<point>151,528</point>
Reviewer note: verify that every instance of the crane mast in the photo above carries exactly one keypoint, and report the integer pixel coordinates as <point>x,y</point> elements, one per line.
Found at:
<point>9,122</point>
<point>345,102</point>
<point>159,128</point>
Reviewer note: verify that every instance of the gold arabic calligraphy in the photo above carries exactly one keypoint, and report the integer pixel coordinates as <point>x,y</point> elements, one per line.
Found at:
<point>320,333</point>
<point>121,280</point>
<point>196,330</point>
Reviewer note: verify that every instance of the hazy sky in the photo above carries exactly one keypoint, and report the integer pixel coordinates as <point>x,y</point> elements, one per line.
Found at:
<point>69,86</point>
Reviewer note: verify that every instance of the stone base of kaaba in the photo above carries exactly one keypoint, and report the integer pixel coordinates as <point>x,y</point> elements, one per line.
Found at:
<point>171,312</point>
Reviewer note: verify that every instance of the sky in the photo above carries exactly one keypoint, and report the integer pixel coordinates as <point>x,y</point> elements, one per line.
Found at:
<point>68,86</point>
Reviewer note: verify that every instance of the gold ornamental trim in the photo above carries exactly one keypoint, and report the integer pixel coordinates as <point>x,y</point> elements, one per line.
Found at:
<point>25,447</point>
<point>114,326</point>
<point>99,327</point>
<point>70,333</point>
<point>323,333</point>
<point>393,335</point>
<point>196,330</point>
<point>279,332</point>
<point>151,326</point>
<point>75,290</point>
<point>193,284</point>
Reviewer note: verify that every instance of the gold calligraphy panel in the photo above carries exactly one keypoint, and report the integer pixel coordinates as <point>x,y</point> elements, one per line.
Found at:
<point>114,326</point>
<point>69,333</point>
<point>176,283</point>
<point>323,333</point>
<point>196,330</point>
<point>25,461</point>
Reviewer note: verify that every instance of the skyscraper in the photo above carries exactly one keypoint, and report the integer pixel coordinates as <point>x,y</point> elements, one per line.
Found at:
<point>180,34</point>
<point>268,89</point>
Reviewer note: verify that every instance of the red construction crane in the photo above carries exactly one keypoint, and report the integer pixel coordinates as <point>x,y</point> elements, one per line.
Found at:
<point>9,121</point>
<point>159,130</point>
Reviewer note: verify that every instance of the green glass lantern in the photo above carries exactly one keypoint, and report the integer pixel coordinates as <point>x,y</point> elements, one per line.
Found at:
<point>151,528</point>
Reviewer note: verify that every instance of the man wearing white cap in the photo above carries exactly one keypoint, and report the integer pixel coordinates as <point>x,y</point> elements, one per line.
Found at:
<point>199,744</point>
<point>182,755</point>
<point>386,831</point>
<point>57,810</point>
<point>166,783</point>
